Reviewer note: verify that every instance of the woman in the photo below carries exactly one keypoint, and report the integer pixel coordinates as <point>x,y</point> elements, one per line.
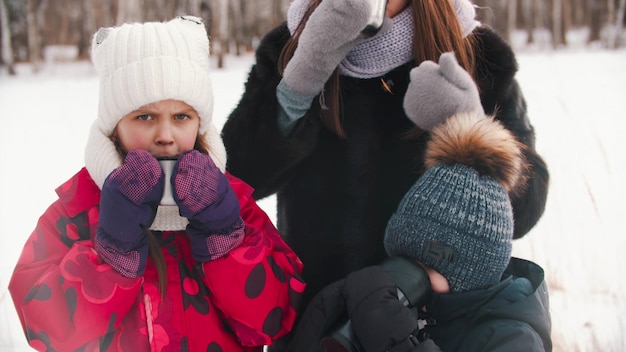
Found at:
<point>322,123</point>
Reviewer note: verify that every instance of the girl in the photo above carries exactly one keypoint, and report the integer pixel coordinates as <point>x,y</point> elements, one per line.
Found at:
<point>323,122</point>
<point>113,267</point>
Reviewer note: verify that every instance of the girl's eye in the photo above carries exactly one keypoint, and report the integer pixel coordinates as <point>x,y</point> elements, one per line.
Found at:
<point>181,117</point>
<point>144,117</point>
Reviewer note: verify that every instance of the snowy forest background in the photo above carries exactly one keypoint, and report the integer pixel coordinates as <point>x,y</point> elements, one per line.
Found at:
<point>572,56</point>
<point>32,30</point>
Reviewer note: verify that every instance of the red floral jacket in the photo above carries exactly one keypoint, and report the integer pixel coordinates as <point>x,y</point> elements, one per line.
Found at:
<point>68,299</point>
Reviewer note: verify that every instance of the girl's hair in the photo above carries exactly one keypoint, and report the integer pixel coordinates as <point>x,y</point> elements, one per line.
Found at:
<point>436,30</point>
<point>154,247</point>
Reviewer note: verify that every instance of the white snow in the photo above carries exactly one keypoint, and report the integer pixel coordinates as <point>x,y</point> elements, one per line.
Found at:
<point>577,102</point>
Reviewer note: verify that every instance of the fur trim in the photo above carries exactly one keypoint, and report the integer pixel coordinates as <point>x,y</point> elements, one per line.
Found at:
<point>101,157</point>
<point>481,143</point>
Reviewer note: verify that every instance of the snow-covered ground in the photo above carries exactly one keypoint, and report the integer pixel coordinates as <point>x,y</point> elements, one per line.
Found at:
<point>577,102</point>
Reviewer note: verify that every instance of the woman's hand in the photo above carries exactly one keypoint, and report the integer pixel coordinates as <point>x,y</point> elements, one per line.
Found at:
<point>438,91</point>
<point>331,31</point>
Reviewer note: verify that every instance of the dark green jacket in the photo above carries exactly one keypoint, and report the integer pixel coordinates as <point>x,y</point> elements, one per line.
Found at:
<point>511,316</point>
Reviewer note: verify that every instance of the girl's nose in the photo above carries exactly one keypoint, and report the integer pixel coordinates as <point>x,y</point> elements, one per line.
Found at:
<point>164,134</point>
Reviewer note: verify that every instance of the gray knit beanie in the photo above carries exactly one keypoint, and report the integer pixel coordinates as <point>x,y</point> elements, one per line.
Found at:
<point>457,218</point>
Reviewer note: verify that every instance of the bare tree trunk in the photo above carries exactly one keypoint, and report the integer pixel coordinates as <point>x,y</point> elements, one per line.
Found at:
<point>163,10</point>
<point>130,11</point>
<point>152,11</point>
<point>500,18</point>
<point>610,9</point>
<point>566,16</point>
<point>6,48</point>
<point>188,7</point>
<point>250,23</point>
<point>285,7</point>
<point>618,25</point>
<point>578,12</point>
<point>194,7</point>
<point>35,22</point>
<point>529,20</point>
<point>594,23</point>
<point>221,42</point>
<point>540,12</point>
<point>206,15</point>
<point>88,27</point>
<point>266,16</point>
<point>236,25</point>
<point>278,12</point>
<point>63,23</point>
<point>107,15</point>
<point>610,16</point>
<point>557,22</point>
<point>213,24</point>
<point>511,18</point>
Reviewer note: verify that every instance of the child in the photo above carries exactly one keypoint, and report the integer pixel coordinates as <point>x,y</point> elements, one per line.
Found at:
<point>322,125</point>
<point>108,267</point>
<point>456,221</point>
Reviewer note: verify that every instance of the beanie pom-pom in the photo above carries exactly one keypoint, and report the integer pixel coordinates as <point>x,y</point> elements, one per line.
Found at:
<point>481,143</point>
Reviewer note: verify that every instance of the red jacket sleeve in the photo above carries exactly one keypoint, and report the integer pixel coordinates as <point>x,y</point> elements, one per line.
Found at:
<point>64,295</point>
<point>258,285</point>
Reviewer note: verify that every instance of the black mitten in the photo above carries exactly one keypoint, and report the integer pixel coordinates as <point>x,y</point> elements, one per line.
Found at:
<point>324,311</point>
<point>379,319</point>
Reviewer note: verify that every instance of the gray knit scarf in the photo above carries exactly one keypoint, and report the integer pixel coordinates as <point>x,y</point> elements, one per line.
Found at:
<point>383,52</point>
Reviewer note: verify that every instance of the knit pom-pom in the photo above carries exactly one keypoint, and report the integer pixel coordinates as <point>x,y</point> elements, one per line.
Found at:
<point>481,143</point>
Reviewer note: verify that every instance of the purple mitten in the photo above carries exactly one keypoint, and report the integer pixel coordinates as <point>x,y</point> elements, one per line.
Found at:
<point>130,196</point>
<point>205,197</point>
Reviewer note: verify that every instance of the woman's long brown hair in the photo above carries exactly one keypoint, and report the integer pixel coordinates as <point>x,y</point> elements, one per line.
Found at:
<point>436,31</point>
<point>154,246</point>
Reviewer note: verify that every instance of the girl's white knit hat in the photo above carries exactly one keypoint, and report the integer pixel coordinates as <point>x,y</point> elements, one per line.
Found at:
<point>142,63</point>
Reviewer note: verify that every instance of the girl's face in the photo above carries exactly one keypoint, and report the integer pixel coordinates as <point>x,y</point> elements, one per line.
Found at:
<point>165,128</point>
<point>395,6</point>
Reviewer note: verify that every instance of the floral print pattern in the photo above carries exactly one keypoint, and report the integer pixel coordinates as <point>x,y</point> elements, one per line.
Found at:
<point>237,303</point>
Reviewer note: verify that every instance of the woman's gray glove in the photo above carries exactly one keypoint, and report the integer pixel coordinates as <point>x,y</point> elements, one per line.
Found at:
<point>438,91</point>
<point>331,31</point>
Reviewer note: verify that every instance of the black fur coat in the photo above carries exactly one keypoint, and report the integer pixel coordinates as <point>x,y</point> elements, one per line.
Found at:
<point>334,195</point>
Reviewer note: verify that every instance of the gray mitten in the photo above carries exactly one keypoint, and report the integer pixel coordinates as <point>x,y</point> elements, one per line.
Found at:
<point>466,13</point>
<point>332,30</point>
<point>438,91</point>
